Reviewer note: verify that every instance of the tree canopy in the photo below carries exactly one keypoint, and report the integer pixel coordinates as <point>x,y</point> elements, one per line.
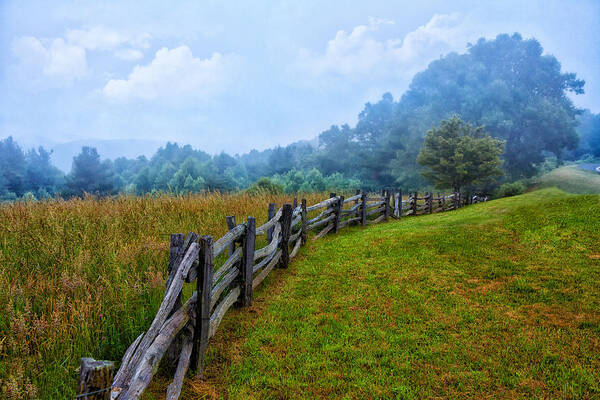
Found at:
<point>457,155</point>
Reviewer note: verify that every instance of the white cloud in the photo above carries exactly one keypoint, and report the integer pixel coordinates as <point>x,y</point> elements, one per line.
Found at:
<point>129,54</point>
<point>361,53</point>
<point>174,74</point>
<point>57,59</point>
<point>102,38</point>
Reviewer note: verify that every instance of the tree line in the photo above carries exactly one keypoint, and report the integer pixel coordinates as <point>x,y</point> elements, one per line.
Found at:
<point>506,85</point>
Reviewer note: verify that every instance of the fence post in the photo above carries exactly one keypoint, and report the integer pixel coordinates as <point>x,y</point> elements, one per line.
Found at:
<point>247,263</point>
<point>338,214</point>
<point>303,217</point>
<point>176,252</point>
<point>430,198</point>
<point>386,210</point>
<point>203,287</point>
<point>230,225</point>
<point>295,203</point>
<point>414,203</point>
<point>443,203</point>
<point>270,215</point>
<point>95,378</point>
<point>286,222</point>
<point>357,201</point>
<point>363,208</point>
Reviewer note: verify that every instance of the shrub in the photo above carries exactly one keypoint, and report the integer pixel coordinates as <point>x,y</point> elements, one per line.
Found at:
<point>265,186</point>
<point>510,189</point>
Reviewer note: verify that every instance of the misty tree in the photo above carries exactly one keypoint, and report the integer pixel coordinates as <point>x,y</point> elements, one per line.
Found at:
<point>89,174</point>
<point>506,84</point>
<point>456,155</point>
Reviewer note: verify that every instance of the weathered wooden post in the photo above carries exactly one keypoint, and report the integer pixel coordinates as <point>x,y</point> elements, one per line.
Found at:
<point>203,287</point>
<point>338,213</point>
<point>386,209</point>
<point>363,208</point>
<point>356,202</point>
<point>95,378</point>
<point>230,225</point>
<point>247,263</point>
<point>430,199</point>
<point>270,215</point>
<point>295,203</point>
<point>413,204</point>
<point>176,252</point>
<point>303,218</point>
<point>286,222</point>
<point>443,203</point>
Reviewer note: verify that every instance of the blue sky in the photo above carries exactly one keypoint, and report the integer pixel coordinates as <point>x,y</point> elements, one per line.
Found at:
<point>240,75</point>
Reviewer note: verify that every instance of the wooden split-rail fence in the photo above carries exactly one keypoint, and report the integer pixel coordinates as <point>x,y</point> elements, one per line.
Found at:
<point>180,333</point>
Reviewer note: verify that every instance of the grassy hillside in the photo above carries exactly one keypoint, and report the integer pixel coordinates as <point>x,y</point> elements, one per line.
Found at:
<point>497,300</point>
<point>85,277</point>
<point>572,179</point>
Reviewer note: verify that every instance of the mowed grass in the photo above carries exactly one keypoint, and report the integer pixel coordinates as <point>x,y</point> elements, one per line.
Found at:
<point>495,300</point>
<point>85,278</point>
<point>572,179</point>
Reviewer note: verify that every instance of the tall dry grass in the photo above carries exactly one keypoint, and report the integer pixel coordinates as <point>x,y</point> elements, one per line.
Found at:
<point>84,277</point>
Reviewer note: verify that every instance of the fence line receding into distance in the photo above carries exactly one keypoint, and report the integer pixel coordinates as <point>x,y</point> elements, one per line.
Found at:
<point>226,271</point>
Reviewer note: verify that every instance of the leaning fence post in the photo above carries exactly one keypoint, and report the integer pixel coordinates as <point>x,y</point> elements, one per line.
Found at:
<point>270,215</point>
<point>338,214</point>
<point>230,225</point>
<point>303,217</point>
<point>286,222</point>
<point>247,263</point>
<point>95,378</point>
<point>363,208</point>
<point>203,287</point>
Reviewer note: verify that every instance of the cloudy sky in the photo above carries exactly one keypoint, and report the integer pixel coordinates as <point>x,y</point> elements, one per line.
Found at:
<point>239,75</point>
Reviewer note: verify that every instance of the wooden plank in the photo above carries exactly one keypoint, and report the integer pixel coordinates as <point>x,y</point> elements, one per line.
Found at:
<point>227,265</point>
<point>221,309</point>
<point>321,222</point>
<point>296,248</point>
<point>203,288</point>
<point>125,361</point>
<point>286,220</point>
<point>152,356</point>
<point>175,254</point>
<point>268,249</point>
<point>174,389</point>
<point>376,211</point>
<point>227,239</point>
<point>163,312</point>
<point>324,232</point>
<point>353,198</point>
<point>223,284</point>
<point>324,203</point>
<point>247,263</point>
<point>323,213</point>
<point>263,274</point>
<point>348,221</point>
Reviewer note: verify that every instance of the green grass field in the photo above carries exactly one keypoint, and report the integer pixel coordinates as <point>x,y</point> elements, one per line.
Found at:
<point>572,179</point>
<point>496,300</point>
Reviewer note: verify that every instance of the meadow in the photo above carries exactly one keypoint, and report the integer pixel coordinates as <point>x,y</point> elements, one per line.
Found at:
<point>495,300</point>
<point>84,277</point>
<point>499,299</point>
<point>572,179</point>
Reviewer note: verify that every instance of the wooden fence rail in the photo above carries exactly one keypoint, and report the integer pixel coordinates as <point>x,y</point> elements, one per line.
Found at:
<point>180,333</point>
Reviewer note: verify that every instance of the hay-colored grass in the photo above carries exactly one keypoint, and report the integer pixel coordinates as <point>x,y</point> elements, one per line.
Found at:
<point>84,277</point>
